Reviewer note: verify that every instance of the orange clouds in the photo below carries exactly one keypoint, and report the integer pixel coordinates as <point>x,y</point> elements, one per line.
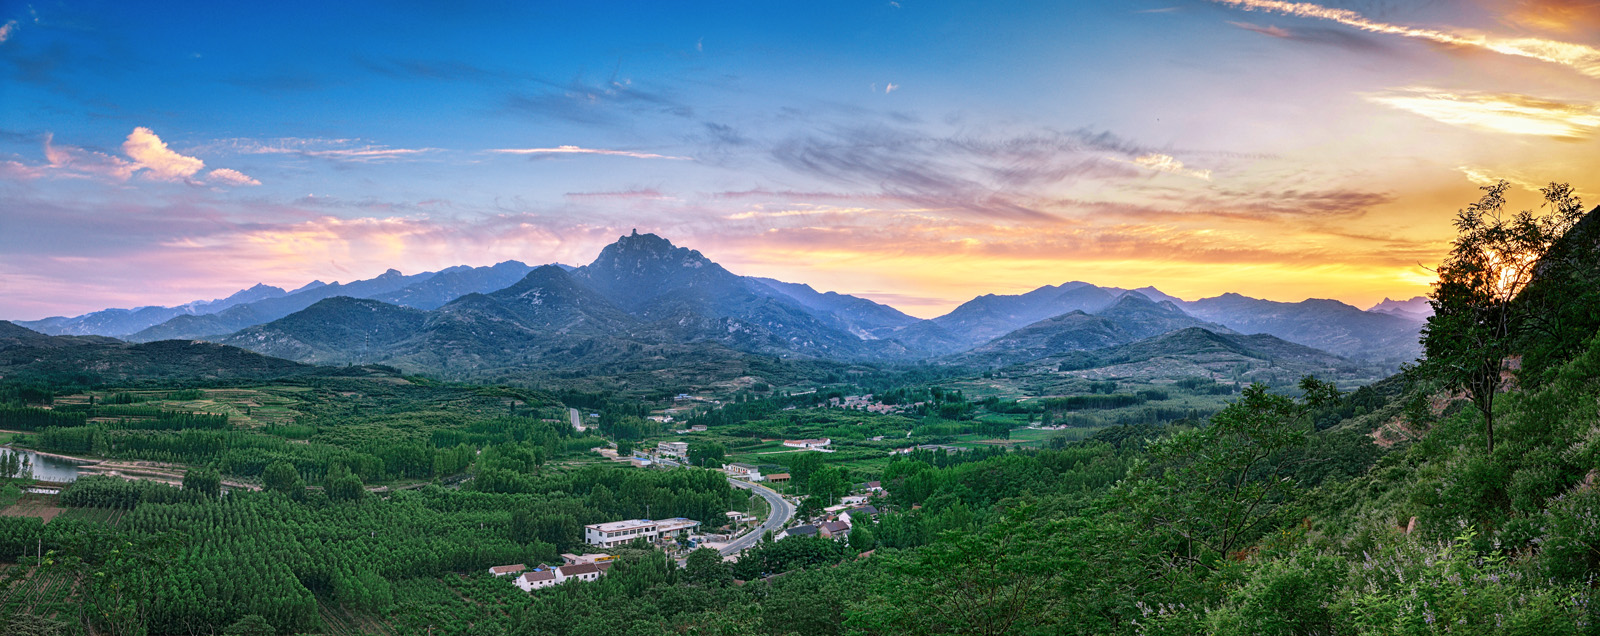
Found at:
<point>1562,16</point>
<point>1578,57</point>
<point>1497,112</point>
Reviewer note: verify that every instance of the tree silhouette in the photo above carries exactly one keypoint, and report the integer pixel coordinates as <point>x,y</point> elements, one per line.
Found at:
<point>1494,258</point>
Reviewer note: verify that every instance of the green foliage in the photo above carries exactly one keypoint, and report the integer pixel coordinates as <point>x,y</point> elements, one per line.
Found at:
<point>1475,324</point>
<point>705,566</point>
<point>707,454</point>
<point>1213,491</point>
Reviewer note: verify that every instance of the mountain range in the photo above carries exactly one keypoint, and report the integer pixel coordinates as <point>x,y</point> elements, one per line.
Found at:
<point>645,299</point>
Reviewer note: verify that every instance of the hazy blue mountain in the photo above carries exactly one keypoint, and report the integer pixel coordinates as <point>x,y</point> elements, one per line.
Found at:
<point>1416,309</point>
<point>859,316</point>
<point>269,309</point>
<point>455,282</point>
<point>1328,325</point>
<point>121,322</point>
<point>336,330</point>
<point>683,296</point>
<point>1130,317</point>
<point>990,316</point>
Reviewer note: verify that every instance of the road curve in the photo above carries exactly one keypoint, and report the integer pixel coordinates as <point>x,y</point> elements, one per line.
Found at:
<point>777,517</point>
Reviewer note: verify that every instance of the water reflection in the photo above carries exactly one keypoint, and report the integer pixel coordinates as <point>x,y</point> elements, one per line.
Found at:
<point>44,468</point>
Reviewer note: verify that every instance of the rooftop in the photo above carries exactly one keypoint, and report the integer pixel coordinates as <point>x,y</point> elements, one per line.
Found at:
<point>614,526</point>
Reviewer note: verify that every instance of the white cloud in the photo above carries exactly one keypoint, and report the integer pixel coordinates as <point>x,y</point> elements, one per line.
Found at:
<point>144,147</point>
<point>7,29</point>
<point>576,150</point>
<point>892,87</point>
<point>229,176</point>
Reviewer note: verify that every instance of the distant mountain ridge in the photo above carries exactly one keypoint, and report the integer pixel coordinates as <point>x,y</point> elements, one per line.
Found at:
<point>643,292</point>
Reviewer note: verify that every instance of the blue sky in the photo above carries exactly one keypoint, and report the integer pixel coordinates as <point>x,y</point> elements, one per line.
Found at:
<point>918,153</point>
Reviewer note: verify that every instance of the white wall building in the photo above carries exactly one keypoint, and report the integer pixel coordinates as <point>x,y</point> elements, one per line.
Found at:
<point>675,449</point>
<point>807,443</point>
<point>743,471</point>
<point>615,533</point>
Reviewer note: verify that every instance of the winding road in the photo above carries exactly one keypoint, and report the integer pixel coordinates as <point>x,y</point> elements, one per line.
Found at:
<point>778,516</point>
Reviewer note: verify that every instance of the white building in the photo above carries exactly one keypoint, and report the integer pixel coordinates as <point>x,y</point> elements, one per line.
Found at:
<point>743,471</point>
<point>615,533</point>
<point>550,577</point>
<point>675,449</point>
<point>807,443</point>
<point>502,570</point>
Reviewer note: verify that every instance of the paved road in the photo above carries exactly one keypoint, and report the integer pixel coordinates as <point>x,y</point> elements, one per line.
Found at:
<point>576,423</point>
<point>777,518</point>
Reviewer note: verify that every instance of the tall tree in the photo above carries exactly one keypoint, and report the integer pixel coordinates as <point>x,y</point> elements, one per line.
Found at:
<point>1494,257</point>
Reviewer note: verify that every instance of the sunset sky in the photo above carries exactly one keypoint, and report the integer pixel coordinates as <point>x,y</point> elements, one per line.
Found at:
<point>916,153</point>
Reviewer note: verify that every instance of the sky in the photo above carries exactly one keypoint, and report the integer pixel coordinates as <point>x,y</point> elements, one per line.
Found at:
<point>915,153</point>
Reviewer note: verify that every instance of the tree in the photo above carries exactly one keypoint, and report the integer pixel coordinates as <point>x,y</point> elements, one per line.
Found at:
<point>707,454</point>
<point>282,477</point>
<point>1494,257</point>
<point>205,482</point>
<point>1217,489</point>
<point>827,485</point>
<point>705,566</point>
<point>251,625</point>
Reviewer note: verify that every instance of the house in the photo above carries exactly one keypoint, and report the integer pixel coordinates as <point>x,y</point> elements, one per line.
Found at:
<point>536,579</point>
<point>615,533</point>
<point>581,572</point>
<point>869,510</point>
<point>875,486</point>
<point>778,478</point>
<point>698,428</point>
<point>743,471</point>
<point>502,570</point>
<point>640,462</point>
<point>854,500</point>
<point>799,531</point>
<point>807,443</point>
<point>834,529</point>
<point>674,449</point>
<point>735,517</point>
<point>549,577</point>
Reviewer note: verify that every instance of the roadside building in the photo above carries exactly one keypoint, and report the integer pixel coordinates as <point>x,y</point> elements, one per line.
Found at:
<point>673,449</point>
<point>834,529</point>
<point>615,533</point>
<point>807,443</point>
<point>743,471</point>
<point>799,531</point>
<point>778,478</point>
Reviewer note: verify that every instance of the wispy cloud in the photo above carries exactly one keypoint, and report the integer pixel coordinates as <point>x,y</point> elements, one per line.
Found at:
<point>348,150</point>
<point>1168,164</point>
<point>7,29</point>
<point>230,176</point>
<point>577,150</point>
<point>1578,57</point>
<point>1497,112</point>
